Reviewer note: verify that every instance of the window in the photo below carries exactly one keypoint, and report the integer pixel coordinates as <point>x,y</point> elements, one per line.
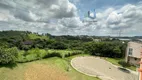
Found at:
<point>135,59</point>
<point>130,51</point>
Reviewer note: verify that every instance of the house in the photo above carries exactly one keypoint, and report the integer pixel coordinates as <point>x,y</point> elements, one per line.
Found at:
<point>133,53</point>
<point>96,40</point>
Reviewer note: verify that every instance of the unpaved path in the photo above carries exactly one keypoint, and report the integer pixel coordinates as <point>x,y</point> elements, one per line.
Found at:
<point>44,72</point>
<point>98,67</point>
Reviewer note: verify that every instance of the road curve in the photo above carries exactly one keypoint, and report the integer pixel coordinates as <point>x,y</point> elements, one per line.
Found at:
<point>97,67</point>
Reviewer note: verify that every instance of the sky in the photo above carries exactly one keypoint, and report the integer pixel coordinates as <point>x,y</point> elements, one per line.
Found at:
<point>66,17</point>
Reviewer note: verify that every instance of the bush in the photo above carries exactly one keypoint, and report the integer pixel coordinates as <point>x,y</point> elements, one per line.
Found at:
<point>124,64</point>
<point>63,53</point>
<point>21,56</point>
<point>105,49</point>
<point>8,55</point>
<point>31,55</point>
<point>73,53</point>
<point>58,45</point>
<point>53,54</point>
<point>36,54</point>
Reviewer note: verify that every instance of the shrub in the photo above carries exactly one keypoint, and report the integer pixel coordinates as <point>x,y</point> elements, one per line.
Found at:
<point>124,64</point>
<point>53,54</point>
<point>73,53</point>
<point>58,45</point>
<point>8,55</point>
<point>36,54</point>
<point>105,49</point>
<point>63,53</point>
<point>21,56</point>
<point>31,55</point>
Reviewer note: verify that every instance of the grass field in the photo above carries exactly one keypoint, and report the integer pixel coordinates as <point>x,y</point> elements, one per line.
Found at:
<point>116,61</point>
<point>34,36</point>
<point>46,69</point>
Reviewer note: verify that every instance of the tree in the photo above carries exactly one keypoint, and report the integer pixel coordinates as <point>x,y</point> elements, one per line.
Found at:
<point>8,55</point>
<point>58,45</point>
<point>117,52</point>
<point>105,49</point>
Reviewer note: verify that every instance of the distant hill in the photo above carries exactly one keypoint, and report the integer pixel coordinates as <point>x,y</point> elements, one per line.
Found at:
<point>22,34</point>
<point>13,33</point>
<point>30,35</point>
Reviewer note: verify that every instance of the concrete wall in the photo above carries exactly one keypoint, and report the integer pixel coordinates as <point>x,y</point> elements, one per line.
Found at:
<point>133,61</point>
<point>126,54</point>
<point>135,52</point>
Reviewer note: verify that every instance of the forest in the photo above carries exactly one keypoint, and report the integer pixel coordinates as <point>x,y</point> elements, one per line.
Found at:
<point>25,46</point>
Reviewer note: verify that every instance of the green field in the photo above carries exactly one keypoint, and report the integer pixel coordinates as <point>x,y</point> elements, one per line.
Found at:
<point>17,72</point>
<point>34,36</point>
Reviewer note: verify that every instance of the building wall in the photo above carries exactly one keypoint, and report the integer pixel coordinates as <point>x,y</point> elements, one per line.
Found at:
<point>133,61</point>
<point>135,53</point>
<point>126,55</point>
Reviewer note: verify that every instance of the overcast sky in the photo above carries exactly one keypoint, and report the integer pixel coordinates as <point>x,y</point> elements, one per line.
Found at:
<point>65,17</point>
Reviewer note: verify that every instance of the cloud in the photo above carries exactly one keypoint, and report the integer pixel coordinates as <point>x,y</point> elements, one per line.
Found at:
<point>114,18</point>
<point>71,22</point>
<point>31,15</point>
<point>126,18</point>
<point>60,17</point>
<point>43,9</point>
<point>75,1</point>
<point>111,21</point>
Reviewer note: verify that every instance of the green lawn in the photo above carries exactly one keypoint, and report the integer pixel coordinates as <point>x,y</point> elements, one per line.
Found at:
<point>16,72</point>
<point>74,75</point>
<point>116,61</point>
<point>34,36</point>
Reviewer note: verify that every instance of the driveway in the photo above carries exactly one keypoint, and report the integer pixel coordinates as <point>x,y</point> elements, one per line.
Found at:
<point>104,70</point>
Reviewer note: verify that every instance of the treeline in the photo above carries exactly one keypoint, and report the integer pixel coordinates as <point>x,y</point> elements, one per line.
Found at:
<point>115,49</point>
<point>25,46</point>
<point>25,40</point>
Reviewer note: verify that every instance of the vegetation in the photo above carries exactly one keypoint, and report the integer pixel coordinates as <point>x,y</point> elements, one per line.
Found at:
<point>31,55</point>
<point>24,46</point>
<point>36,54</point>
<point>8,56</point>
<point>65,53</point>
<point>120,62</point>
<point>106,49</point>
<point>36,36</point>
<point>33,46</point>
<point>10,72</point>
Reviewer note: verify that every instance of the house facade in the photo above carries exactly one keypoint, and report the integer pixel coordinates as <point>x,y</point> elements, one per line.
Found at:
<point>133,53</point>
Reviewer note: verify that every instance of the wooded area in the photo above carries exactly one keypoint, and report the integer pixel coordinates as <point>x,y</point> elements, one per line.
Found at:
<point>25,46</point>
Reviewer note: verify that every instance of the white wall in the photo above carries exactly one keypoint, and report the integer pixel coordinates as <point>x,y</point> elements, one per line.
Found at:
<point>134,61</point>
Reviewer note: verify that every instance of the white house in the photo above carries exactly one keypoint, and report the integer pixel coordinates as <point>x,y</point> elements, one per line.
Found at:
<point>133,52</point>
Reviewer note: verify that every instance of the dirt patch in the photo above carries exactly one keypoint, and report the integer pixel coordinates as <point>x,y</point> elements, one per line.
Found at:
<point>44,72</point>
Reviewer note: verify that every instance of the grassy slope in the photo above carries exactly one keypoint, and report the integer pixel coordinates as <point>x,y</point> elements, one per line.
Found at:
<point>34,36</point>
<point>115,62</point>
<point>17,72</point>
<point>12,72</point>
